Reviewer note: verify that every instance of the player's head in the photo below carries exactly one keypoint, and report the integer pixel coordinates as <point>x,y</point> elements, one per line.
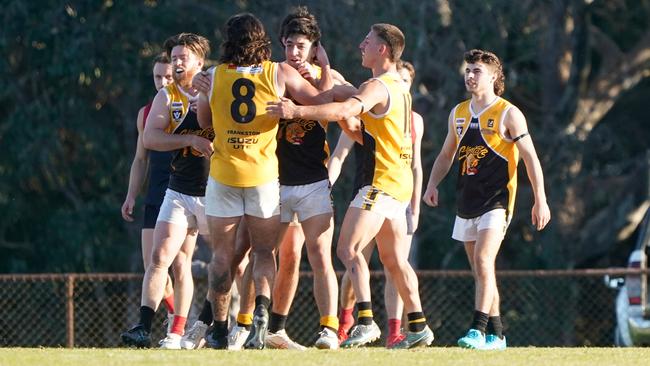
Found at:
<point>299,34</point>
<point>406,72</point>
<point>187,52</point>
<point>483,71</point>
<point>383,41</point>
<point>244,41</point>
<point>162,71</point>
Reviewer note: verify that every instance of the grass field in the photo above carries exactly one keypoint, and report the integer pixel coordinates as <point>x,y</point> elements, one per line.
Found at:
<point>436,356</point>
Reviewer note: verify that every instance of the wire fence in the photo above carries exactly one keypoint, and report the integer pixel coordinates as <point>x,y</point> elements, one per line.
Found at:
<point>540,308</point>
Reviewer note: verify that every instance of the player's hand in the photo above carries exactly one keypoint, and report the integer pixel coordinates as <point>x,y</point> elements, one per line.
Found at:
<point>430,196</point>
<point>127,209</point>
<point>201,82</point>
<point>202,145</point>
<point>283,109</point>
<point>541,215</point>
<point>308,72</point>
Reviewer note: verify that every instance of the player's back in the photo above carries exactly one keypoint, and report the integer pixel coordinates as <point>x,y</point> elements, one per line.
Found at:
<point>244,144</point>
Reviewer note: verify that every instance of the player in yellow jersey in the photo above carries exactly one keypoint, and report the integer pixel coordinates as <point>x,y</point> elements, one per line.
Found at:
<point>384,106</point>
<point>244,168</point>
<point>487,134</point>
<point>152,167</point>
<point>173,126</point>
<point>394,304</point>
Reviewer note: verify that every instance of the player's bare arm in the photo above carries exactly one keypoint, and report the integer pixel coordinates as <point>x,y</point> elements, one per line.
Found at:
<point>416,167</point>
<point>515,124</point>
<point>202,82</point>
<point>335,162</point>
<point>155,137</point>
<point>371,95</point>
<point>290,82</point>
<point>326,81</point>
<point>441,165</point>
<point>138,171</point>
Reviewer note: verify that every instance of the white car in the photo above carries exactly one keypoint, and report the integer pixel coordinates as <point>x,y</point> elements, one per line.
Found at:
<point>632,309</point>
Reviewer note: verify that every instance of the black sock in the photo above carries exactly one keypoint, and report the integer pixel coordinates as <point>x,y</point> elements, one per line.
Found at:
<point>480,321</point>
<point>146,317</point>
<point>417,322</point>
<point>220,328</point>
<point>262,300</point>
<point>494,326</point>
<point>277,322</point>
<point>365,315</point>
<point>206,313</point>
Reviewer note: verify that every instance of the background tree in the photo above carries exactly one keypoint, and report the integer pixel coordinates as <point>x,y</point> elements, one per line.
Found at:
<point>75,74</point>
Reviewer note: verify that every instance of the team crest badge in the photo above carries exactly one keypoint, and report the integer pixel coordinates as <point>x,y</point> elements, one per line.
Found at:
<point>177,114</point>
<point>459,130</point>
<point>490,123</point>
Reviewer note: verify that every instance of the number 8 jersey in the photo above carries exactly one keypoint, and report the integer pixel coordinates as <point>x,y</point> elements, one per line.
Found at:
<point>244,142</point>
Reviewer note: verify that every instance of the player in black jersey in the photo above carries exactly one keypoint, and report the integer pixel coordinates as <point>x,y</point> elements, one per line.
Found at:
<point>173,126</point>
<point>487,134</point>
<point>305,195</point>
<point>156,166</point>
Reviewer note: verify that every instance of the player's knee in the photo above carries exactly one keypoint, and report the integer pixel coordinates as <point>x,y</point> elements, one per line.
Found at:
<point>161,259</point>
<point>346,255</point>
<point>180,268</point>
<point>483,267</point>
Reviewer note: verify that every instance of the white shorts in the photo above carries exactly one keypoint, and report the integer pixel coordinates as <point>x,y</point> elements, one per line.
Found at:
<point>261,201</point>
<point>181,209</point>
<point>375,200</point>
<point>305,201</point>
<point>467,229</point>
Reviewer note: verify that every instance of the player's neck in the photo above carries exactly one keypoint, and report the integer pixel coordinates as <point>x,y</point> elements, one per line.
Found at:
<point>383,67</point>
<point>480,101</point>
<point>187,88</point>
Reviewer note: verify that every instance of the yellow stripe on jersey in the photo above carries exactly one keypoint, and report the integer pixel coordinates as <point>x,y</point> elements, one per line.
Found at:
<point>179,105</point>
<point>492,130</point>
<point>393,145</point>
<point>244,143</point>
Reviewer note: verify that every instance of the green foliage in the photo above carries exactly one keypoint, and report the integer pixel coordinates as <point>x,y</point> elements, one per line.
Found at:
<point>74,75</point>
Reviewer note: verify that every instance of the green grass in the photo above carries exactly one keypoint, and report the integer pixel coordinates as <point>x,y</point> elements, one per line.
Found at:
<point>436,356</point>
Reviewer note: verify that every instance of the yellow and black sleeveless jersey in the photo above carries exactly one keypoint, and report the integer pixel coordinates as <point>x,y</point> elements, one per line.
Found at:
<point>189,170</point>
<point>487,175</point>
<point>245,135</point>
<point>387,143</point>
<point>302,150</point>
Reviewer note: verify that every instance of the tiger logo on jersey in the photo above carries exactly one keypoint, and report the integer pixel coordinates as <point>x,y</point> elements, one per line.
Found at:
<point>469,158</point>
<point>294,131</point>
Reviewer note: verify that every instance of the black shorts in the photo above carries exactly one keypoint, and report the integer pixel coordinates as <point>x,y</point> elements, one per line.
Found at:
<point>150,216</point>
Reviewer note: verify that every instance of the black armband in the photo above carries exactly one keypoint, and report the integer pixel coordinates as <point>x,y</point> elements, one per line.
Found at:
<point>520,137</point>
<point>360,101</point>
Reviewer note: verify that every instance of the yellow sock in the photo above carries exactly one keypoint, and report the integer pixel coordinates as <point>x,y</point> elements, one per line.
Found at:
<point>330,321</point>
<point>244,319</point>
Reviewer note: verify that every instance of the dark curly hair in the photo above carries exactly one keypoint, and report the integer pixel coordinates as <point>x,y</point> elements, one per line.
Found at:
<point>300,21</point>
<point>244,41</point>
<point>488,58</point>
